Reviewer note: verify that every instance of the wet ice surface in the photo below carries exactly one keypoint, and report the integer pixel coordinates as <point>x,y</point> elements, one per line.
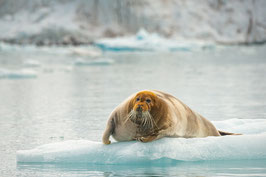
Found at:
<point>68,102</point>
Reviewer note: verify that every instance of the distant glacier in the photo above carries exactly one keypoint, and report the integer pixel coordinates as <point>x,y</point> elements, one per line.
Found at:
<point>77,22</point>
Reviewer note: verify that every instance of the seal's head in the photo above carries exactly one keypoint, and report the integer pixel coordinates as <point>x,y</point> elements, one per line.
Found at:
<point>143,104</point>
<point>144,101</point>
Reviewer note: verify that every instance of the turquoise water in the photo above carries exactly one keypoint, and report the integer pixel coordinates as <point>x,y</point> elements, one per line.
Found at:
<point>47,95</point>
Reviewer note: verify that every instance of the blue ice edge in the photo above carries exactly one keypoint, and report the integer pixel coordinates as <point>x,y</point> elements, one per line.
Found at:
<point>106,47</point>
<point>163,151</point>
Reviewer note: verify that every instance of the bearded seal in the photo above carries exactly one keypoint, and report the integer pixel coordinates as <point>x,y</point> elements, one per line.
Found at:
<point>150,115</point>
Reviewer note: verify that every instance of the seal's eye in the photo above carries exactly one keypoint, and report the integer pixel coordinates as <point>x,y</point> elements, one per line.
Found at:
<point>137,99</point>
<point>148,100</point>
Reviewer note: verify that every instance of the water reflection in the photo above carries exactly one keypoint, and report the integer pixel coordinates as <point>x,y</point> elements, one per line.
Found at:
<point>176,168</point>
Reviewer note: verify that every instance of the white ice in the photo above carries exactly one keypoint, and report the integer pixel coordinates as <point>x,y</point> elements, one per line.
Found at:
<point>87,51</point>
<point>93,62</point>
<point>250,145</point>
<point>144,41</point>
<point>17,74</point>
<point>31,63</point>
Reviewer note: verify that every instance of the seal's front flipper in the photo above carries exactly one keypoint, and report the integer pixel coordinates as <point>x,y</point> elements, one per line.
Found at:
<point>106,136</point>
<point>110,128</point>
<point>146,139</point>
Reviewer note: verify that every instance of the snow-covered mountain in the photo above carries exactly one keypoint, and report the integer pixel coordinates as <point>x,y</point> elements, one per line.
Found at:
<point>46,22</point>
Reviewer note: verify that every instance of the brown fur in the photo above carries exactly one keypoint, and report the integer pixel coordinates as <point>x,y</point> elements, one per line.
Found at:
<point>150,115</point>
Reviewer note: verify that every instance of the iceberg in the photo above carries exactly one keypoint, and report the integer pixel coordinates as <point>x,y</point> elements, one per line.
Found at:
<point>144,41</point>
<point>250,145</point>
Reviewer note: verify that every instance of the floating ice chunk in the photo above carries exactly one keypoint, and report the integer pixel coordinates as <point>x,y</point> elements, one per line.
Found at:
<point>17,74</point>
<point>95,61</point>
<point>166,150</point>
<point>31,63</point>
<point>144,41</point>
<point>142,34</point>
<point>87,52</point>
<point>120,44</point>
<point>15,47</point>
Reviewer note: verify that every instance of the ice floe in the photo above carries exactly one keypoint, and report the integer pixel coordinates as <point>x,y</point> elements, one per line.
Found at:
<point>250,145</point>
<point>31,63</point>
<point>94,61</point>
<point>17,74</point>
<point>144,41</point>
<point>86,51</point>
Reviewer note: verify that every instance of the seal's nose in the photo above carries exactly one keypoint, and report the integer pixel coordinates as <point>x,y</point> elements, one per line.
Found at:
<point>139,108</point>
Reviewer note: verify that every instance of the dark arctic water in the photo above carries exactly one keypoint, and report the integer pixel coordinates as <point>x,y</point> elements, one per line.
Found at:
<point>47,95</point>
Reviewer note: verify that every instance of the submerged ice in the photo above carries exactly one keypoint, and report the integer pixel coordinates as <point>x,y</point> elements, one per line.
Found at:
<point>250,145</point>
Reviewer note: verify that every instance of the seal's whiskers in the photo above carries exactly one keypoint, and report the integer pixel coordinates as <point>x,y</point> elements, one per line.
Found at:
<point>131,115</point>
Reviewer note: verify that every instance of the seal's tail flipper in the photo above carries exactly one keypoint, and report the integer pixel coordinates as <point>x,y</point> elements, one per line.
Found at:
<point>222,133</point>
